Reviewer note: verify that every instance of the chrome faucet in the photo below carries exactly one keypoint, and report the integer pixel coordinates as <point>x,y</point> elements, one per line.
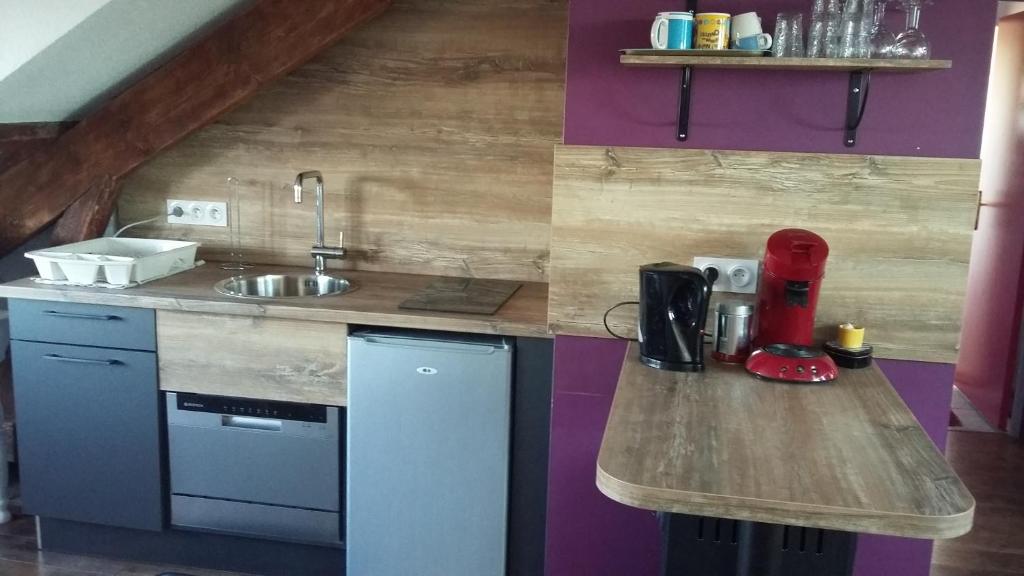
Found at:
<point>320,252</point>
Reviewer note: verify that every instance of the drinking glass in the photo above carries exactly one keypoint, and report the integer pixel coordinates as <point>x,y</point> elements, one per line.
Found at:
<point>833,33</point>
<point>912,43</point>
<point>235,261</point>
<point>882,40</point>
<point>867,21</point>
<point>789,35</point>
<point>817,32</point>
<point>851,29</point>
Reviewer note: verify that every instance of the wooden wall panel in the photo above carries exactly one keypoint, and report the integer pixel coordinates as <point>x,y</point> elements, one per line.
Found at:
<point>899,230</point>
<point>434,126</point>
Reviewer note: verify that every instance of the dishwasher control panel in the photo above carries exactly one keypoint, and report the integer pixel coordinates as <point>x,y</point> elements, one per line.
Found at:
<point>252,408</point>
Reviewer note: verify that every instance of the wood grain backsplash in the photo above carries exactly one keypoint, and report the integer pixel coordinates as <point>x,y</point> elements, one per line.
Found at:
<point>433,125</point>
<point>899,229</point>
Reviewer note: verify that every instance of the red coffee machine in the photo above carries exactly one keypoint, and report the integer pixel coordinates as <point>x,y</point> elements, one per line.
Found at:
<point>794,264</point>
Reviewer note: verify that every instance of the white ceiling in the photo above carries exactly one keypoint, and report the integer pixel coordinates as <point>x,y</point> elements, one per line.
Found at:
<point>60,58</point>
<point>28,27</point>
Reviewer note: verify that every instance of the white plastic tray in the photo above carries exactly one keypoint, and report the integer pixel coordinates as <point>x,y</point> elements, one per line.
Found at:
<point>114,261</point>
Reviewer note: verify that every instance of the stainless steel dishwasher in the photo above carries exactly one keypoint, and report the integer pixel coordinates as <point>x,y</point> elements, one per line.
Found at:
<point>428,453</point>
<point>255,467</point>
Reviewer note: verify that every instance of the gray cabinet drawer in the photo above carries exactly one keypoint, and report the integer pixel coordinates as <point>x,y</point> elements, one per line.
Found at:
<point>89,434</point>
<point>85,324</point>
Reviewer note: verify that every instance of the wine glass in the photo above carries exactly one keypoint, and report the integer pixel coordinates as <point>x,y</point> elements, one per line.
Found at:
<point>882,40</point>
<point>912,43</point>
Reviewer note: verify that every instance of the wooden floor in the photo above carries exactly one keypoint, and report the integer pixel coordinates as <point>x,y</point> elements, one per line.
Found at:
<point>19,557</point>
<point>992,466</point>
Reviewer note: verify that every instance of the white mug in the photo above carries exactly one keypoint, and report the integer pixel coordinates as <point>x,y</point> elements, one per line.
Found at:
<point>747,34</point>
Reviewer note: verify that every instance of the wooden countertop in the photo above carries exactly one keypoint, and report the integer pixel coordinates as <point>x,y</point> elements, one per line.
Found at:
<point>844,456</point>
<point>374,302</point>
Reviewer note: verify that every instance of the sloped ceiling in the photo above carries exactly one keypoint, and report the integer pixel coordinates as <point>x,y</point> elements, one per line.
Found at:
<point>26,28</point>
<point>60,58</point>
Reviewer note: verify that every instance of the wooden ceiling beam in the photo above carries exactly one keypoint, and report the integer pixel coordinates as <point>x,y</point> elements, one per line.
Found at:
<point>206,80</point>
<point>87,217</point>
<point>19,141</point>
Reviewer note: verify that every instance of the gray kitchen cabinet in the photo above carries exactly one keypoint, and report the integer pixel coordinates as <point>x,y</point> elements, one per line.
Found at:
<point>88,416</point>
<point>83,324</point>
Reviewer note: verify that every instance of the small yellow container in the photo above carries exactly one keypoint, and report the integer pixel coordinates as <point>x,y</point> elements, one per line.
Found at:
<point>850,337</point>
<point>712,31</point>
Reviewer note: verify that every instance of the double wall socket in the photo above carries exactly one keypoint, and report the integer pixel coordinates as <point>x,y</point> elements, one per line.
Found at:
<point>198,213</point>
<point>737,276</point>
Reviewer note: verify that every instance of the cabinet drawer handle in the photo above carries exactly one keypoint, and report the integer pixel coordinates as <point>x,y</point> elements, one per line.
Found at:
<point>81,316</point>
<point>59,358</point>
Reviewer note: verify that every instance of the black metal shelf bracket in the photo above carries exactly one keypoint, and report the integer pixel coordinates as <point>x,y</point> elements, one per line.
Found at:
<point>683,120</point>
<point>683,129</point>
<point>856,103</point>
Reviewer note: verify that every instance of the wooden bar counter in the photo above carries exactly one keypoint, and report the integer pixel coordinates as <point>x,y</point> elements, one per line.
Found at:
<point>845,456</point>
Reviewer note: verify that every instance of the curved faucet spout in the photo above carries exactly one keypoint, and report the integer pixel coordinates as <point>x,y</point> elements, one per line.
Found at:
<point>302,177</point>
<point>320,252</point>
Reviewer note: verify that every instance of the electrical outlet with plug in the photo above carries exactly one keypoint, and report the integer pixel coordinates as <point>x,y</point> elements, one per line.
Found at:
<point>198,213</point>
<point>734,275</point>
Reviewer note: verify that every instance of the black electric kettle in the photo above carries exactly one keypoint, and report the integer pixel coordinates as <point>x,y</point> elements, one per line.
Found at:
<point>673,312</point>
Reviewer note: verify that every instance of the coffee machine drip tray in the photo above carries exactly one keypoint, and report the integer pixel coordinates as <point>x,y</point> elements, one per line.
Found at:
<point>792,363</point>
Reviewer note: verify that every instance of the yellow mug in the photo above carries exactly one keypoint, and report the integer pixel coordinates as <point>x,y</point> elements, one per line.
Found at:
<point>712,31</point>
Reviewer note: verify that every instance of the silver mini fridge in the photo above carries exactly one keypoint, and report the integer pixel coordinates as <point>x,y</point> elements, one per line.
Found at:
<point>428,453</point>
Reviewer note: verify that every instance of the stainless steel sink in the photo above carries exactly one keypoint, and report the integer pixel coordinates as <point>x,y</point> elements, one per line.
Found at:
<point>283,286</point>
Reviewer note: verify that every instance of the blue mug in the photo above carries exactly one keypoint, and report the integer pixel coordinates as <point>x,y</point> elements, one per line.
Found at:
<point>746,33</point>
<point>672,31</point>
<point>754,42</point>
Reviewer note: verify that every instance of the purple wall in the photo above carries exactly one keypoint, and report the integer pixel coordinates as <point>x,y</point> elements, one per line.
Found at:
<point>589,533</point>
<point>927,114</point>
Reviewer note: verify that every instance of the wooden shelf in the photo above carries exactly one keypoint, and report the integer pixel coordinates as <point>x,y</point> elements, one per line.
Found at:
<point>652,58</point>
<point>859,69</point>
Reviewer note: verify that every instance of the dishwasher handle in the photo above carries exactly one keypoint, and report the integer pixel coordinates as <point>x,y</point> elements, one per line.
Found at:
<point>250,423</point>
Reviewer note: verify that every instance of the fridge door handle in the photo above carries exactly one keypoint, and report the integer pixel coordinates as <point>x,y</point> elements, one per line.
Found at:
<point>450,347</point>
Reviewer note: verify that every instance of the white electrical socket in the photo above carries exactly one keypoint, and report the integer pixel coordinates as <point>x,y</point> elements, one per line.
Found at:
<point>734,275</point>
<point>198,213</point>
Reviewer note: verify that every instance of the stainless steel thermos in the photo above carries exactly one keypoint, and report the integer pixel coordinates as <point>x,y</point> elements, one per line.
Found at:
<point>732,337</point>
